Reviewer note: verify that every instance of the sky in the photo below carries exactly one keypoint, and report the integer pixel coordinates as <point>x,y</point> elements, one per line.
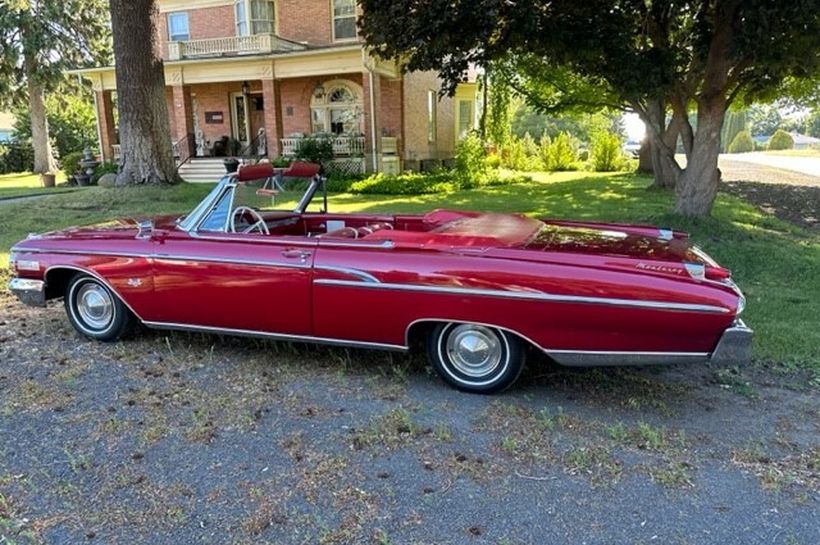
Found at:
<point>635,128</point>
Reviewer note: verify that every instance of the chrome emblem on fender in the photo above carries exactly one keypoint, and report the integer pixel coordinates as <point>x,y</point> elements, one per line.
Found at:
<point>658,268</point>
<point>135,282</point>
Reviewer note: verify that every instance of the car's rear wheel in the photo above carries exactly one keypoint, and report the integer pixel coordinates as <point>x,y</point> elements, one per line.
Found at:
<point>95,311</point>
<point>476,358</point>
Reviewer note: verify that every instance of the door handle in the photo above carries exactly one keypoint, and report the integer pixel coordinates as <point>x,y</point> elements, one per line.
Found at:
<point>301,255</point>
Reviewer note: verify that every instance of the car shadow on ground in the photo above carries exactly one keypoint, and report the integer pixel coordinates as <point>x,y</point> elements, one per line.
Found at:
<point>171,438</point>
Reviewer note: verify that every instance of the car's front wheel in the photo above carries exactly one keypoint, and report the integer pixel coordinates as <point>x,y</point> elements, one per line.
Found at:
<point>476,358</point>
<point>95,311</point>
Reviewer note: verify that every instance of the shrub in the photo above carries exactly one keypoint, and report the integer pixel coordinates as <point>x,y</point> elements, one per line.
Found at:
<point>16,157</point>
<point>781,140</point>
<point>742,143</point>
<point>605,153</point>
<point>71,162</point>
<point>521,153</point>
<point>559,153</point>
<point>409,183</point>
<point>315,149</point>
<point>470,166</point>
<point>493,161</point>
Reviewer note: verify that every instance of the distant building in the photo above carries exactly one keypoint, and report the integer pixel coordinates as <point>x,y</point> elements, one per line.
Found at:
<point>6,126</point>
<point>802,141</point>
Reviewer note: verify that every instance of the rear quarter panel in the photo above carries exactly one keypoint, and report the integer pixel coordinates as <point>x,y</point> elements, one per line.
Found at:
<point>370,311</point>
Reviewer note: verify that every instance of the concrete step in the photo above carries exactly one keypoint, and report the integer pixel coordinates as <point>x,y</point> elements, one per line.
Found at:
<point>203,170</point>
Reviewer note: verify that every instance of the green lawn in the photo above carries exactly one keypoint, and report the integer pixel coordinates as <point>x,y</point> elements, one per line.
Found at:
<point>22,184</point>
<point>777,264</point>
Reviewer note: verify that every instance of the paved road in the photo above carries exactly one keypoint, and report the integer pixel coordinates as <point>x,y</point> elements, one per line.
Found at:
<point>804,165</point>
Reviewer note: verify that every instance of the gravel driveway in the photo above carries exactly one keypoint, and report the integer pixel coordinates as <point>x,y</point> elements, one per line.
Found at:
<point>809,166</point>
<point>185,438</point>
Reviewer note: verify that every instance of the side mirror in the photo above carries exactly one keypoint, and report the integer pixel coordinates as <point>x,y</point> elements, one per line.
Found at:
<point>146,229</point>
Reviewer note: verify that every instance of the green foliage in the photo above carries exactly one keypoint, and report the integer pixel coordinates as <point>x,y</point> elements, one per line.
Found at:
<point>57,34</point>
<point>781,140</point>
<point>742,143</point>
<point>470,160</point>
<point>281,162</point>
<point>70,162</point>
<point>493,161</point>
<point>16,157</point>
<point>559,153</point>
<point>315,149</point>
<point>605,153</point>
<point>409,183</point>
<point>764,119</point>
<point>812,124</point>
<point>521,154</point>
<point>734,123</point>
<point>71,120</point>
<point>498,109</point>
<point>412,183</point>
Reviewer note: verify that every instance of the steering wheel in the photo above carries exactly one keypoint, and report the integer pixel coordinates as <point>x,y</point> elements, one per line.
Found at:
<point>258,224</point>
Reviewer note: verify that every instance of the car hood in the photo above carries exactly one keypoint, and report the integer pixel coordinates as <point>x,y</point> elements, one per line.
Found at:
<point>122,228</point>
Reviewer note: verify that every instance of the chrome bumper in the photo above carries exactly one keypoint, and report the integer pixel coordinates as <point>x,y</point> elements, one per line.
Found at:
<point>29,292</point>
<point>735,345</point>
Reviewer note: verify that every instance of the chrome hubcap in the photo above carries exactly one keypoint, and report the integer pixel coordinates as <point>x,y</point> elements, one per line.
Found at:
<point>474,350</point>
<point>95,306</point>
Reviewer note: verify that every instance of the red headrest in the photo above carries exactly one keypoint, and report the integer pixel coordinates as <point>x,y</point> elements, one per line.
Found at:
<point>302,170</point>
<point>261,171</point>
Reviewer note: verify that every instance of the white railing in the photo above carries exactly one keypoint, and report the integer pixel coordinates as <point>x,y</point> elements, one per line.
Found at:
<point>117,151</point>
<point>343,146</point>
<point>230,45</point>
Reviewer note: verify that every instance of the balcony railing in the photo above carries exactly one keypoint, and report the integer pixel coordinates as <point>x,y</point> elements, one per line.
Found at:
<point>230,45</point>
<point>343,146</point>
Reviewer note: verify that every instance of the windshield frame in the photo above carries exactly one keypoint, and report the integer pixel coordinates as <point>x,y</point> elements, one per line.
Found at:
<point>192,221</point>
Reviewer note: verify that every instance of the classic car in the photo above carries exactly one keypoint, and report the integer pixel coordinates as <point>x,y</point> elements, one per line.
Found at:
<point>480,290</point>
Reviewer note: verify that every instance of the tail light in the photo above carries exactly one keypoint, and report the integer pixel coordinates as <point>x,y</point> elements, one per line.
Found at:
<point>717,273</point>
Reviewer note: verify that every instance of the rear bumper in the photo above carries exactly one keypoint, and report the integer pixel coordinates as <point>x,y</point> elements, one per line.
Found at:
<point>28,291</point>
<point>734,346</point>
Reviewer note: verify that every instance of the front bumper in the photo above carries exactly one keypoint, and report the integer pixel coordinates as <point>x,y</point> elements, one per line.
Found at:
<point>734,346</point>
<point>28,291</point>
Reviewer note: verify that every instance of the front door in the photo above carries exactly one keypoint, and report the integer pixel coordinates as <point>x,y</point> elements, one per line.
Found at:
<point>240,124</point>
<point>238,282</point>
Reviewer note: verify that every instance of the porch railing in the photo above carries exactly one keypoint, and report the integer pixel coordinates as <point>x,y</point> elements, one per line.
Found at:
<point>230,45</point>
<point>117,149</point>
<point>343,146</point>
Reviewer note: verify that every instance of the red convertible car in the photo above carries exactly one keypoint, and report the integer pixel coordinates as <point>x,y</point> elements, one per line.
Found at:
<point>479,289</point>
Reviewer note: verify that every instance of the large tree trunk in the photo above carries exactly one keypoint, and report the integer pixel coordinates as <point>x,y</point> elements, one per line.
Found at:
<point>43,155</point>
<point>663,140</point>
<point>145,133</point>
<point>645,157</point>
<point>698,184</point>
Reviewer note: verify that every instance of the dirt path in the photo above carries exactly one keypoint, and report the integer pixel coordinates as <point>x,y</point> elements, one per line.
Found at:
<point>169,439</point>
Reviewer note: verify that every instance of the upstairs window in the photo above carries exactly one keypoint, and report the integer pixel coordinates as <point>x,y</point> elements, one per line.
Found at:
<point>178,27</point>
<point>255,17</point>
<point>344,19</point>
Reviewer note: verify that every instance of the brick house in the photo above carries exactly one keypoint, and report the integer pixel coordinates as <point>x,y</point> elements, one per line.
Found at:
<point>269,72</point>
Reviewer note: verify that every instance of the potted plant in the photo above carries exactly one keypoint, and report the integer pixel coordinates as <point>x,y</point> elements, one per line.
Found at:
<point>49,179</point>
<point>232,163</point>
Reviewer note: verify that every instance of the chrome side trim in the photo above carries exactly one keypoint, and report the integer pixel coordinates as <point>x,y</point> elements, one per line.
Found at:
<point>274,336</point>
<point>364,276</point>
<point>30,292</point>
<point>534,296</point>
<point>608,358</point>
<point>79,252</point>
<point>98,277</point>
<point>252,262</point>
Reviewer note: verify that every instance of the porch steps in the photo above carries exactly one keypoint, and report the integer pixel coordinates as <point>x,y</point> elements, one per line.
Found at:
<point>203,170</point>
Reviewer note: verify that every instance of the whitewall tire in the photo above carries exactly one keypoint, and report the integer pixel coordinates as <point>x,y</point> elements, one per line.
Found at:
<point>95,311</point>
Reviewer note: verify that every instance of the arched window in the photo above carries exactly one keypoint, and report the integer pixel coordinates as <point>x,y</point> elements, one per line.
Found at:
<point>337,109</point>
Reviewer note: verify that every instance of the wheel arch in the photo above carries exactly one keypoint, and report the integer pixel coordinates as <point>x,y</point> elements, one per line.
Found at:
<point>57,278</point>
<point>417,329</point>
